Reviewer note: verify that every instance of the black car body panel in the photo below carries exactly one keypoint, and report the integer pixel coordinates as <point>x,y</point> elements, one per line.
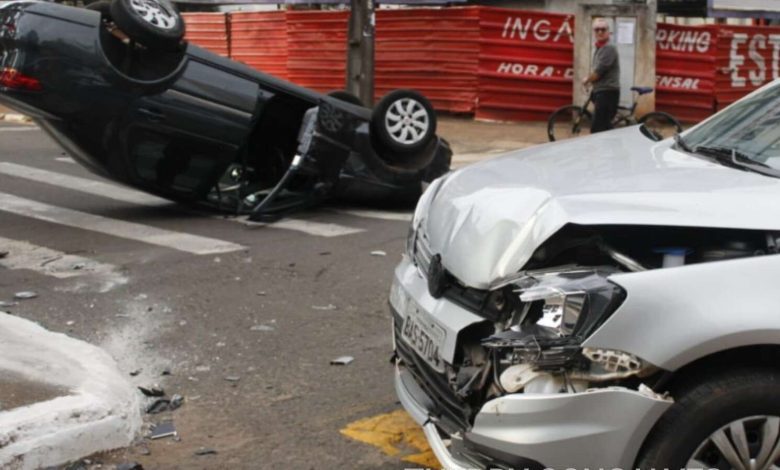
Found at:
<point>193,126</point>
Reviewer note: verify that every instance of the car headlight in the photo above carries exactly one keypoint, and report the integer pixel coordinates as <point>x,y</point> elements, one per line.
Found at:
<point>555,312</point>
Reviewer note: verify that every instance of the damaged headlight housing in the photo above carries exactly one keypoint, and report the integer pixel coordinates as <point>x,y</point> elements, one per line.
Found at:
<point>556,311</point>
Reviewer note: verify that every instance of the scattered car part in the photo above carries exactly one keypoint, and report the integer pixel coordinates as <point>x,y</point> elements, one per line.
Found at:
<point>153,391</point>
<point>205,451</point>
<point>342,361</point>
<point>25,295</point>
<point>166,429</point>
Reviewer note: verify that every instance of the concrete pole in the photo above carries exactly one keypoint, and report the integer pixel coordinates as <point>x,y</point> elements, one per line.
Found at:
<point>360,51</point>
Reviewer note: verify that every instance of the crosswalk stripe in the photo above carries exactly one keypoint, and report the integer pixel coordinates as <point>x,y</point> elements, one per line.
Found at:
<point>119,193</point>
<point>312,228</point>
<point>118,228</point>
<point>25,255</point>
<point>84,185</point>
<point>383,215</point>
<point>19,129</point>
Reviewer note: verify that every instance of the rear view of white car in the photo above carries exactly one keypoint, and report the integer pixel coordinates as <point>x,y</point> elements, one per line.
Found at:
<point>606,302</point>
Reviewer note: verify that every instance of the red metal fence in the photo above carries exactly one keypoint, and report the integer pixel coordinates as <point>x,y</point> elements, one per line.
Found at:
<point>501,64</point>
<point>525,64</point>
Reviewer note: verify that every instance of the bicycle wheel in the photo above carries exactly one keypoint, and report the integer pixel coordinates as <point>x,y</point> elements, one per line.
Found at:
<point>567,122</point>
<point>661,124</point>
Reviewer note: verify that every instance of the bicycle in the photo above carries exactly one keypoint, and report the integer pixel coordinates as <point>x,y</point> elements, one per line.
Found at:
<point>572,120</point>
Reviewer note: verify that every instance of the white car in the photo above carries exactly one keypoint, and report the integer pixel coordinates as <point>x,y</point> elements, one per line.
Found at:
<point>611,301</point>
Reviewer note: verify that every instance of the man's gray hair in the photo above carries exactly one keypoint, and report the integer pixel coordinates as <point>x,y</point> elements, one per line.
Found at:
<point>602,22</point>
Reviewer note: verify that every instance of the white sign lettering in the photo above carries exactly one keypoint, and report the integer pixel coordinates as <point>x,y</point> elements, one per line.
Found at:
<point>757,47</point>
<point>683,41</point>
<point>534,70</point>
<point>540,29</point>
<point>677,82</point>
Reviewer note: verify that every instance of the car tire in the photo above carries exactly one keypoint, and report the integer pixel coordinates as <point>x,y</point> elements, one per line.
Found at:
<point>103,7</point>
<point>155,24</point>
<point>403,122</point>
<point>346,97</point>
<point>716,407</point>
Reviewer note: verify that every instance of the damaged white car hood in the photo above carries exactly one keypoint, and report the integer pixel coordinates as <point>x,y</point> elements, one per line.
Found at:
<point>486,220</point>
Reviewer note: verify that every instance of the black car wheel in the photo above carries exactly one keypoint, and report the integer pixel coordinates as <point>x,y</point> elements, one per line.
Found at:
<point>404,122</point>
<point>154,24</point>
<point>346,97</point>
<point>103,7</point>
<point>730,420</point>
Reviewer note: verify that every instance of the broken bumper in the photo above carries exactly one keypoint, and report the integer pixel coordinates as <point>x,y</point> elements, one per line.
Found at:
<point>600,428</point>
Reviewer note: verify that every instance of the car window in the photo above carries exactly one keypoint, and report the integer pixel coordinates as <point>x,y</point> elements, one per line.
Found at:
<point>751,127</point>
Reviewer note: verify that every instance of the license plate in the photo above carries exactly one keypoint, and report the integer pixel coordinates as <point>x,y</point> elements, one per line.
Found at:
<point>424,336</point>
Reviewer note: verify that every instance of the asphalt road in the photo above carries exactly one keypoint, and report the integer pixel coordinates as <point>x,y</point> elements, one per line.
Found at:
<point>165,289</point>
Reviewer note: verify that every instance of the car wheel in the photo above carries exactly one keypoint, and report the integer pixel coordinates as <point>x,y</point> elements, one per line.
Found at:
<point>346,96</point>
<point>155,24</point>
<point>103,7</point>
<point>731,420</point>
<point>404,122</point>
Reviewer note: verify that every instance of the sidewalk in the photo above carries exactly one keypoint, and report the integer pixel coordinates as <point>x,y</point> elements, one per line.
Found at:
<point>62,398</point>
<point>472,141</point>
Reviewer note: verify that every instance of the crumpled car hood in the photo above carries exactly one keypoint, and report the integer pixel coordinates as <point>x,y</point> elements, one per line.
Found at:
<point>487,219</point>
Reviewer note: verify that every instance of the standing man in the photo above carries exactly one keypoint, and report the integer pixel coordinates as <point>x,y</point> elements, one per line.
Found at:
<point>605,78</point>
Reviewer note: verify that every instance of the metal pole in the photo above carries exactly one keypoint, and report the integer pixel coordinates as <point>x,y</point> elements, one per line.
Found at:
<point>360,51</point>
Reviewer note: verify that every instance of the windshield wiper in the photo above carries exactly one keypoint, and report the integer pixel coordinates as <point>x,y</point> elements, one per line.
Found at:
<point>678,139</point>
<point>733,157</point>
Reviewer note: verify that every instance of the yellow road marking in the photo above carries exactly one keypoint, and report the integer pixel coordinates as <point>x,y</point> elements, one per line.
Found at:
<point>395,434</point>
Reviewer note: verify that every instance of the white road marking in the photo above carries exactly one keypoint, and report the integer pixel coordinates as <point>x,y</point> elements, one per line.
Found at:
<point>19,129</point>
<point>318,229</point>
<point>384,215</point>
<point>84,185</point>
<point>25,255</point>
<point>119,193</point>
<point>118,228</point>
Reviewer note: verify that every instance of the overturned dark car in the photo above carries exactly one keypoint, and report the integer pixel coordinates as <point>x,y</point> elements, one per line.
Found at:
<point>117,86</point>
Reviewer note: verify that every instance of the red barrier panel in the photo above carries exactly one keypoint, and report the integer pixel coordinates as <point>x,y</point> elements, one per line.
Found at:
<point>685,70</point>
<point>747,58</point>
<point>432,50</point>
<point>259,39</point>
<point>317,42</point>
<point>208,30</point>
<point>525,64</point>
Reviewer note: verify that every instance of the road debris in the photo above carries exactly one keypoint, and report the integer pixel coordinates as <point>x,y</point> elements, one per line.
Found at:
<point>25,295</point>
<point>261,328</point>
<point>165,372</point>
<point>342,361</point>
<point>262,293</point>
<point>205,451</point>
<point>143,450</point>
<point>6,304</point>
<point>158,406</point>
<point>130,466</point>
<point>324,307</point>
<point>378,253</point>
<point>79,266</point>
<point>153,391</point>
<point>133,373</point>
<point>232,378</point>
<point>163,430</point>
<point>3,254</point>
<point>70,323</point>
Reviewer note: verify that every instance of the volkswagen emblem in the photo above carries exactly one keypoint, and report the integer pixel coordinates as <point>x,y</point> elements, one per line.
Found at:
<point>437,277</point>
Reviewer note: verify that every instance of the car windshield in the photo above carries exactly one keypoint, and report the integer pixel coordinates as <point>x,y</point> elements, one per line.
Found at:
<point>749,129</point>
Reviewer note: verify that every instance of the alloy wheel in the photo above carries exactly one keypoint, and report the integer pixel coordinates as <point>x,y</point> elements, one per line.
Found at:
<point>155,13</point>
<point>407,121</point>
<point>745,444</point>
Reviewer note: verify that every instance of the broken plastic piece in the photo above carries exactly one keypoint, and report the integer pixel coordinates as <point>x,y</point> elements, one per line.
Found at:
<point>163,430</point>
<point>3,303</point>
<point>130,466</point>
<point>25,295</point>
<point>153,391</point>
<point>323,307</point>
<point>232,378</point>
<point>342,361</point>
<point>378,253</point>
<point>158,406</point>
<point>205,451</point>
<point>176,402</point>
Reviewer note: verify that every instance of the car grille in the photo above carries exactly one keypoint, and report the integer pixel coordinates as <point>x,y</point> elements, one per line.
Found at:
<point>452,411</point>
<point>422,253</point>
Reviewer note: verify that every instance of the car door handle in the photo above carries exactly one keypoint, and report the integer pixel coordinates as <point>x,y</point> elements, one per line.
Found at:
<point>152,115</point>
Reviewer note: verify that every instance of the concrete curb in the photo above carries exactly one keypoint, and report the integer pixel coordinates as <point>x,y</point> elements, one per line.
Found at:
<point>101,411</point>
